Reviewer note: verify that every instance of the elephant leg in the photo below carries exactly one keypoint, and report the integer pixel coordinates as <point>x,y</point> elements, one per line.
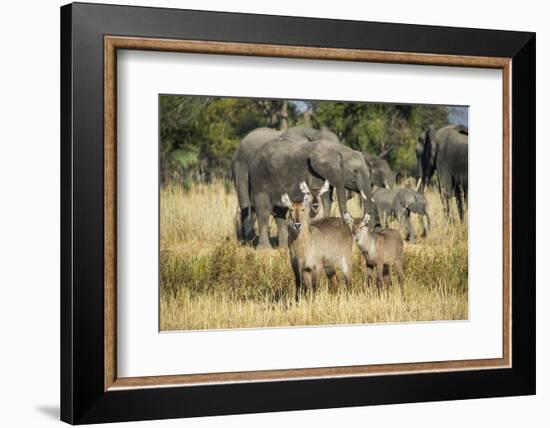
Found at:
<point>282,229</point>
<point>425,224</point>
<point>242,187</point>
<point>263,212</point>
<point>342,200</point>
<point>447,208</point>
<point>406,223</point>
<point>247,225</point>
<point>446,189</point>
<point>386,214</point>
<point>458,197</point>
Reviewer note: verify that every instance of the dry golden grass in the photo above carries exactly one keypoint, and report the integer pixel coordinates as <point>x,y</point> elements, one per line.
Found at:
<point>208,281</point>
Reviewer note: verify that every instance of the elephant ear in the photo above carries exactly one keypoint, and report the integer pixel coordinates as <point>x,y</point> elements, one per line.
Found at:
<point>429,146</point>
<point>327,163</point>
<point>368,162</point>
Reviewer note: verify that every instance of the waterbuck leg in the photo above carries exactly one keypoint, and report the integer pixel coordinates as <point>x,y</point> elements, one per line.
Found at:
<point>347,272</point>
<point>399,269</point>
<point>316,277</point>
<point>331,274</point>
<point>307,280</point>
<point>379,275</point>
<point>298,282</point>
<point>369,273</point>
<point>369,277</point>
<point>386,274</point>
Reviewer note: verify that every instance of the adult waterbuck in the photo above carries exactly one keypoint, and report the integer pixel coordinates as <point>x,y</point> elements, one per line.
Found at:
<point>317,245</point>
<point>381,249</point>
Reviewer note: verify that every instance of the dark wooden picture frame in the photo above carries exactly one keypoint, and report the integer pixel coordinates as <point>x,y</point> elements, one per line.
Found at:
<point>90,389</point>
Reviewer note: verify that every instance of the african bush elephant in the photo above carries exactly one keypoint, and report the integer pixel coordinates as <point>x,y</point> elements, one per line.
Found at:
<point>444,150</point>
<point>381,173</point>
<point>281,164</point>
<point>399,204</point>
<point>240,166</point>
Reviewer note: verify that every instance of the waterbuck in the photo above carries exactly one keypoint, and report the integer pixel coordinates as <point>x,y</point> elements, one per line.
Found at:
<point>316,245</point>
<point>381,249</point>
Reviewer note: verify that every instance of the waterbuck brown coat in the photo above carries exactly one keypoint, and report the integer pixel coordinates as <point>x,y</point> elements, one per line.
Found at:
<point>318,245</point>
<point>381,249</point>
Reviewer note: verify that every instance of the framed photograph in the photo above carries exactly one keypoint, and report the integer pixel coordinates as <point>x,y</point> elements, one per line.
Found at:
<point>266,213</point>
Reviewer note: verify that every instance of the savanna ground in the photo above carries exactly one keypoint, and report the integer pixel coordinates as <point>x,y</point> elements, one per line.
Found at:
<point>209,281</point>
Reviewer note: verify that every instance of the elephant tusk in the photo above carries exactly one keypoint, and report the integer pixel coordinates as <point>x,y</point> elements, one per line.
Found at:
<point>363,195</point>
<point>418,183</point>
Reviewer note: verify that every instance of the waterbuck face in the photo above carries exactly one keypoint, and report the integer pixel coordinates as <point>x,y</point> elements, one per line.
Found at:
<point>315,197</point>
<point>315,206</point>
<point>359,226</point>
<point>297,214</point>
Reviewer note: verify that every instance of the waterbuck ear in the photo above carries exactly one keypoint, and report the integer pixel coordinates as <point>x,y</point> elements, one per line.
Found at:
<point>304,188</point>
<point>285,199</point>
<point>324,189</point>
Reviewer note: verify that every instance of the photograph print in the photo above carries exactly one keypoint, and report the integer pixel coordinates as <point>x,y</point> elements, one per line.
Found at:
<point>294,213</point>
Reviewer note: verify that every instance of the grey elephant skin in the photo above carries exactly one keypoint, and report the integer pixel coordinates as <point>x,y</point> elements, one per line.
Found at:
<point>381,173</point>
<point>446,151</point>
<point>279,167</point>
<point>240,166</point>
<point>399,204</point>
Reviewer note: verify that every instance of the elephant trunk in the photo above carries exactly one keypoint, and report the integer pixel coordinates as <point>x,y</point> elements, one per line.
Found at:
<point>342,200</point>
<point>425,224</point>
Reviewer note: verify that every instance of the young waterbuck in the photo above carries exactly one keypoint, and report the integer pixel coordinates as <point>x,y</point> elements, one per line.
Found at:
<point>317,245</point>
<point>382,249</point>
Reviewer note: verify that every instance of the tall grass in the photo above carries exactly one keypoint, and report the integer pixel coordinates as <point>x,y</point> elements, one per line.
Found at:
<point>208,281</point>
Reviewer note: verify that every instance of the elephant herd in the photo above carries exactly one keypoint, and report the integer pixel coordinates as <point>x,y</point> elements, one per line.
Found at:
<point>271,163</point>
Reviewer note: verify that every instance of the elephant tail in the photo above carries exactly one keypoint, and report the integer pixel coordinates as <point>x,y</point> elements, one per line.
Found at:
<point>242,185</point>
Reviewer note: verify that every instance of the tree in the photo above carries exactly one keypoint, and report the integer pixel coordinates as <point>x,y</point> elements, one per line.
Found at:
<point>200,134</point>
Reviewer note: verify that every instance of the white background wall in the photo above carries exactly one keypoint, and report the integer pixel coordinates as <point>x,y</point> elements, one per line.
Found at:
<point>29,213</point>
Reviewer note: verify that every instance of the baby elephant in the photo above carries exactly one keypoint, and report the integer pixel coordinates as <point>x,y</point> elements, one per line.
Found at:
<point>399,204</point>
<point>316,246</point>
<point>381,249</point>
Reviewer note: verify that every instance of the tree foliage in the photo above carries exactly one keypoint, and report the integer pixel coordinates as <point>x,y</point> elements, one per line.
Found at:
<point>198,135</point>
